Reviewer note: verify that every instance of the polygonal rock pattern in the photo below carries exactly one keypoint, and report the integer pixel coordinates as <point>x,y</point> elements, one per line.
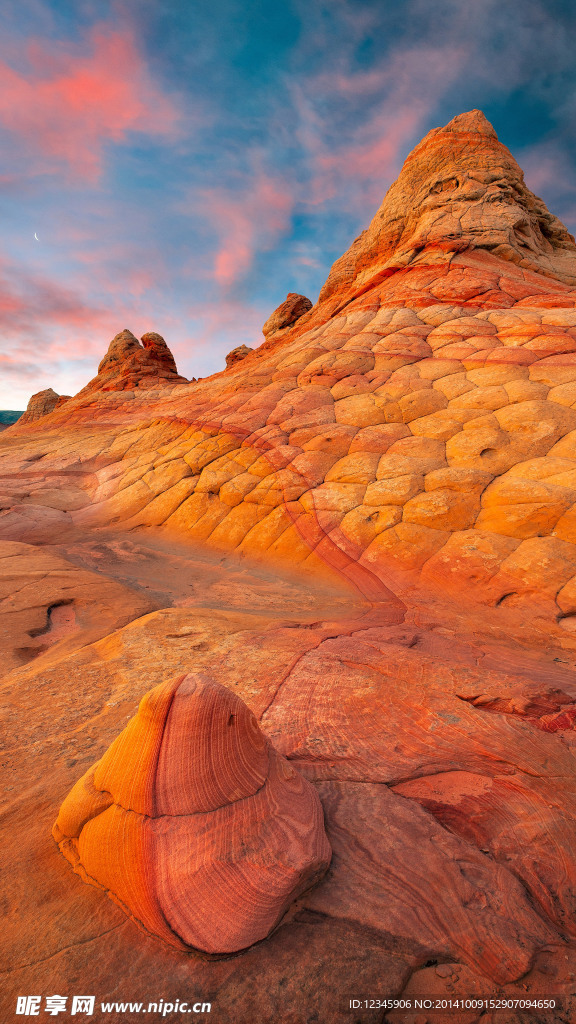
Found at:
<point>193,823</point>
<point>413,430</point>
<point>419,419</point>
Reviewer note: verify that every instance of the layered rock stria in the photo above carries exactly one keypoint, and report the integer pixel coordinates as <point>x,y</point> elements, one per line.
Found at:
<point>193,823</point>
<point>408,446</point>
<point>460,189</point>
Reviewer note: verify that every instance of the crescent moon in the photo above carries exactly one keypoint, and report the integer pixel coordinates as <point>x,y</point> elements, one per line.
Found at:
<point>36,237</point>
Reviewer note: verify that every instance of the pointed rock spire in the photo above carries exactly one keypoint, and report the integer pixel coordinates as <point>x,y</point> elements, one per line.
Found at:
<point>472,121</point>
<point>122,346</point>
<point>157,348</point>
<point>459,189</point>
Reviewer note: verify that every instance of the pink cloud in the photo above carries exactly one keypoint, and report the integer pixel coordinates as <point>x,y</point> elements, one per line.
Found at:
<point>120,271</point>
<point>222,326</point>
<point>386,110</point>
<point>29,300</point>
<point>72,103</point>
<point>247,220</point>
<point>372,161</point>
<point>250,217</point>
<point>353,129</point>
<point>546,166</point>
<point>309,261</point>
<point>55,334</point>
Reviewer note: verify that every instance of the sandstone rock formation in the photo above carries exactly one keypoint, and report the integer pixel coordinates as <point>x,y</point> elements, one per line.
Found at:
<point>41,404</point>
<point>129,364</point>
<point>50,607</point>
<point>403,453</point>
<point>158,350</point>
<point>460,189</point>
<point>193,823</point>
<point>424,430</point>
<point>237,354</point>
<point>286,314</point>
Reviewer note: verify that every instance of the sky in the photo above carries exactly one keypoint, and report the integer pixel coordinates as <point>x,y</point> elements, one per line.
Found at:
<point>187,163</point>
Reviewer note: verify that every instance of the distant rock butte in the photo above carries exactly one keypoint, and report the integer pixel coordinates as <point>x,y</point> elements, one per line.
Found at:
<point>293,307</point>
<point>126,365</point>
<point>129,364</point>
<point>237,354</point>
<point>193,823</point>
<point>41,404</point>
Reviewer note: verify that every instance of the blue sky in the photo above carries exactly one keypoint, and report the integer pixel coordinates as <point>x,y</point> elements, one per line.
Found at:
<point>185,165</point>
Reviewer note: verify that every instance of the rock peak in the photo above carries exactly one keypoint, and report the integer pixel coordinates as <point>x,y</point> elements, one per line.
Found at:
<point>286,314</point>
<point>459,189</point>
<point>472,121</point>
<point>237,355</point>
<point>40,404</point>
<point>129,364</point>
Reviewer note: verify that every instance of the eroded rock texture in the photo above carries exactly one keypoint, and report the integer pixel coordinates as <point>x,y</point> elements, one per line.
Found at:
<point>418,421</point>
<point>193,823</point>
<point>237,354</point>
<point>407,445</point>
<point>129,364</point>
<point>41,404</point>
<point>286,314</point>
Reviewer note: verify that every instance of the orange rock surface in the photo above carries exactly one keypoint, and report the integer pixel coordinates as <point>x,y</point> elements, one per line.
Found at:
<point>293,307</point>
<point>442,345</point>
<point>129,364</point>
<point>41,404</point>
<point>193,823</point>
<point>238,353</point>
<point>366,530</point>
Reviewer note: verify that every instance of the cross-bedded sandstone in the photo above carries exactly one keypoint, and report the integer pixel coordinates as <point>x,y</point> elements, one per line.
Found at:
<point>193,823</point>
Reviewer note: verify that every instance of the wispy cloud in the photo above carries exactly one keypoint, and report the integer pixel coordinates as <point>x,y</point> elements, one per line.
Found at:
<point>350,132</point>
<point>355,153</point>
<point>54,334</point>
<point>28,301</point>
<point>74,100</point>
<point>546,166</point>
<point>185,168</point>
<point>209,330</point>
<point>246,217</point>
